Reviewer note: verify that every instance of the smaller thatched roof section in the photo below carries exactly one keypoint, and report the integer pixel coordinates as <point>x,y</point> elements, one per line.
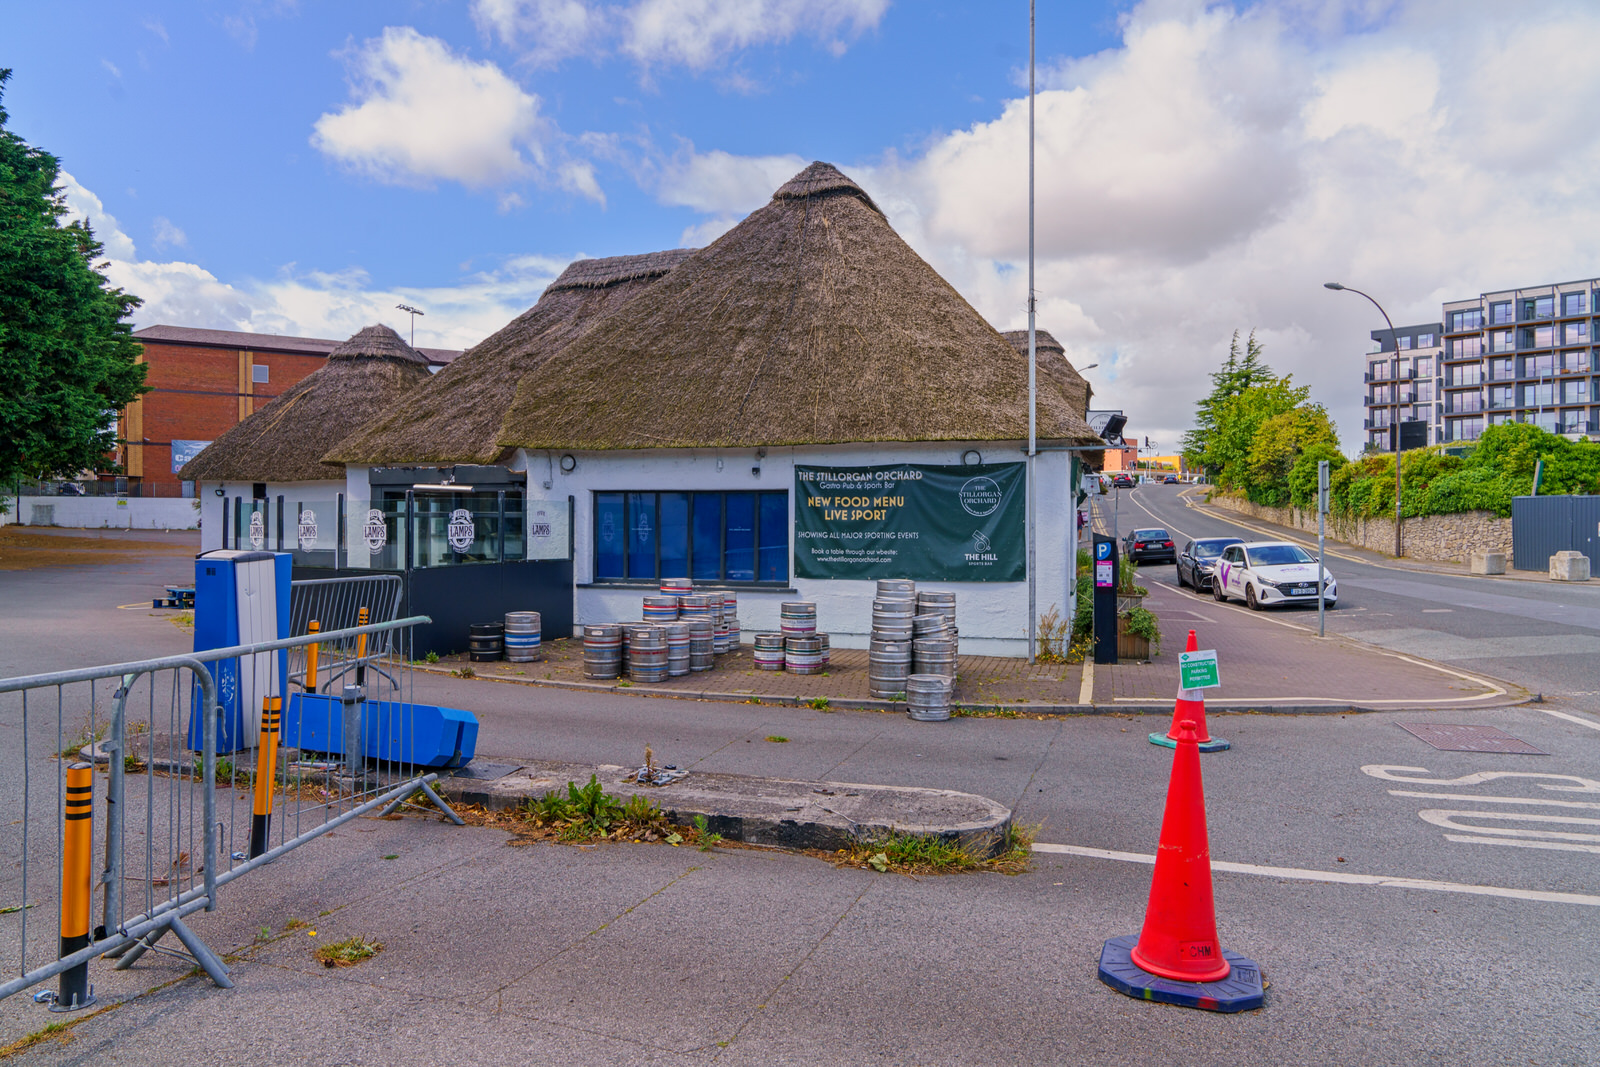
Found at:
<point>1054,367</point>
<point>456,417</point>
<point>284,441</point>
<point>819,180</point>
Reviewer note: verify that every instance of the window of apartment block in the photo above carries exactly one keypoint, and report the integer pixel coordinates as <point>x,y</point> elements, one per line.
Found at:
<point>1464,429</point>
<point>1502,370</point>
<point>1424,390</point>
<point>1500,420</point>
<point>1378,370</point>
<point>258,373</point>
<point>1574,303</point>
<point>1575,361</point>
<point>1538,394</point>
<point>1465,374</point>
<point>1424,340</point>
<point>1575,333</point>
<point>1466,320</point>
<point>1538,307</point>
<point>1500,396</point>
<point>1381,394</point>
<point>1545,420</point>
<point>1536,337</point>
<point>1500,314</point>
<point>1380,418</point>
<point>1402,343</point>
<point>1424,366</point>
<point>1466,401</point>
<point>1465,348</point>
<point>1576,392</point>
<point>1574,422</point>
<point>1502,341</point>
<point>1539,366</point>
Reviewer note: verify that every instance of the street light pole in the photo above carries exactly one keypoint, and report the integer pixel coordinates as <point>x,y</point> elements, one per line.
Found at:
<point>1395,421</point>
<point>1033,614</point>
<point>414,313</point>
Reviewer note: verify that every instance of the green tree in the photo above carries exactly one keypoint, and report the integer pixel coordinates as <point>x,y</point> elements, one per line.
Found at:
<point>68,362</point>
<point>1240,419</point>
<point>1278,445</point>
<point>1238,373</point>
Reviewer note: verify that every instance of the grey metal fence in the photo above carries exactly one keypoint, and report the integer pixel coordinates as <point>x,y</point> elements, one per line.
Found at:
<point>174,819</point>
<point>1541,526</point>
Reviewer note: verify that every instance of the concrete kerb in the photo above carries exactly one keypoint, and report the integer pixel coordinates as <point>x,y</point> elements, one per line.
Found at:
<point>1508,695</point>
<point>776,812</point>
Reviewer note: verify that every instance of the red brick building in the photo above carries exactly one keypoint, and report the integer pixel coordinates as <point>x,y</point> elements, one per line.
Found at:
<point>202,383</point>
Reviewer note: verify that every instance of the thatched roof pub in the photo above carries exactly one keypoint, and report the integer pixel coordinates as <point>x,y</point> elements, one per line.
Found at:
<point>798,408</point>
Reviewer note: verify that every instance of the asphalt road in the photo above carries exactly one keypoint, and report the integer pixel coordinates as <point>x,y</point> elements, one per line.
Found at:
<point>1541,636</point>
<point>1408,904</point>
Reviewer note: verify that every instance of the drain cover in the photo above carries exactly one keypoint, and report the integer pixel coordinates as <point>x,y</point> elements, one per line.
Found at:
<point>484,771</point>
<point>1449,738</point>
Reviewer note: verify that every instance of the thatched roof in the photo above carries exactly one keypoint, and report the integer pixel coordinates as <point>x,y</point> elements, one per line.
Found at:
<point>810,322</point>
<point>284,441</point>
<point>1054,367</point>
<point>456,417</point>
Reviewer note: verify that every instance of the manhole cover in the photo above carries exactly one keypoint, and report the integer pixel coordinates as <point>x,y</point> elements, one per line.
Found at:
<point>1449,738</point>
<point>485,772</point>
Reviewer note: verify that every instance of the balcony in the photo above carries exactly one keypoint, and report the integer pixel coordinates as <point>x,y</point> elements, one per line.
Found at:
<point>1579,427</point>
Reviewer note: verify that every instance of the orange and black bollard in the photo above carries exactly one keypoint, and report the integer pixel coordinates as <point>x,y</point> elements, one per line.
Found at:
<point>361,648</point>
<point>311,659</point>
<point>75,842</point>
<point>266,774</point>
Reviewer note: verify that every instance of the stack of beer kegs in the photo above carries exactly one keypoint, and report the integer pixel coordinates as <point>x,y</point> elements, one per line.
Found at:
<point>769,652</point>
<point>602,651</point>
<point>647,652</point>
<point>889,654</point>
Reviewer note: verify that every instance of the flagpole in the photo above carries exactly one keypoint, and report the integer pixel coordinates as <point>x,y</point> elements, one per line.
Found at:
<point>1033,420</point>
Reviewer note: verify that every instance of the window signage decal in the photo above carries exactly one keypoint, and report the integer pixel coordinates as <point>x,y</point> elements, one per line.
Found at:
<point>929,523</point>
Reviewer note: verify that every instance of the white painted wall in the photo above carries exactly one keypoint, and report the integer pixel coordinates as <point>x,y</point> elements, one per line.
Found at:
<point>992,616</point>
<point>319,497</point>
<point>102,512</point>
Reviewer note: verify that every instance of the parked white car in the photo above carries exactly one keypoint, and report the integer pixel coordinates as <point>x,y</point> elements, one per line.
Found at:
<point>1267,573</point>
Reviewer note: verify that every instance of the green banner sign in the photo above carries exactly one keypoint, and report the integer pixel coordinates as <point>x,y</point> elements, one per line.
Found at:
<point>926,523</point>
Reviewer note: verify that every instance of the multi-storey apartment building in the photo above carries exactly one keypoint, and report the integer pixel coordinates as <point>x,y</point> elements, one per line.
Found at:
<point>1403,382</point>
<point>1514,355</point>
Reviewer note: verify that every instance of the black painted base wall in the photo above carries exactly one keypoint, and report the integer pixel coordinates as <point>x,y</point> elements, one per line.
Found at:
<point>456,597</point>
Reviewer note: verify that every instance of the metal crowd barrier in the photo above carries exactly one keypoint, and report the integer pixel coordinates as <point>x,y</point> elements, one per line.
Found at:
<point>336,604</point>
<point>174,824</point>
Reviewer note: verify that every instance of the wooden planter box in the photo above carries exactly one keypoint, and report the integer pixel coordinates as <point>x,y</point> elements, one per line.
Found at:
<point>1131,646</point>
<point>1127,602</point>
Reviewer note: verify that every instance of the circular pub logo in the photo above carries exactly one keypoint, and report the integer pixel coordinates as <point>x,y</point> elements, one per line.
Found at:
<point>375,533</point>
<point>308,529</point>
<point>980,496</point>
<point>461,531</point>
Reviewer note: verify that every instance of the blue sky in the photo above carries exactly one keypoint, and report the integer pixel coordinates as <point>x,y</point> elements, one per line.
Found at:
<point>300,167</point>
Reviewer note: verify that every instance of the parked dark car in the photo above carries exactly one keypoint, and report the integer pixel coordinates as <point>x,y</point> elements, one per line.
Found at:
<point>1150,545</point>
<point>1197,563</point>
<point>70,489</point>
<point>1122,481</point>
<point>1171,479</point>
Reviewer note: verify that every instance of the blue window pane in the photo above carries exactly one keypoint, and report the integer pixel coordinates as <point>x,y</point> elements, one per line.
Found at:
<point>610,528</point>
<point>641,535</point>
<point>674,535</point>
<point>707,536</point>
<point>773,551</point>
<point>740,550</point>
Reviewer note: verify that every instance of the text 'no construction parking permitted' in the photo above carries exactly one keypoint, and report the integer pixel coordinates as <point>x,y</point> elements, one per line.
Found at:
<point>1198,670</point>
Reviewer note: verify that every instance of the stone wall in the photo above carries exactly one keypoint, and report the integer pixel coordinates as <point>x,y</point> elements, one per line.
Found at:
<point>1432,537</point>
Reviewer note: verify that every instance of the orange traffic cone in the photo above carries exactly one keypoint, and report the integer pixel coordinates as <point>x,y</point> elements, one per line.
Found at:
<point>1177,958</point>
<point>1191,705</point>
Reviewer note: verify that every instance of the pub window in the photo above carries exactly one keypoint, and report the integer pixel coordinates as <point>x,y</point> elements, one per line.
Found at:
<point>707,537</point>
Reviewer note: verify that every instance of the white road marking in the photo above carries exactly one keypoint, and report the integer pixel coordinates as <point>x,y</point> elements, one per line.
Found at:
<point>1447,820</point>
<point>1386,771</point>
<point>1437,611</point>
<point>1495,800</point>
<point>1590,723</point>
<point>1086,687</point>
<point>1338,877</point>
<point>1474,839</point>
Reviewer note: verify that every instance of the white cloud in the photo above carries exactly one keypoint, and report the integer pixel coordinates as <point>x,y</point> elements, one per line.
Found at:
<point>420,113</point>
<point>694,33</point>
<point>1215,168</point>
<point>166,234</point>
<point>545,30</point>
<point>332,304</point>
<point>722,182</point>
<point>697,33</point>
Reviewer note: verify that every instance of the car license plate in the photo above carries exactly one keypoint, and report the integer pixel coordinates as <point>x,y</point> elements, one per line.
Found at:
<point>1303,590</point>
